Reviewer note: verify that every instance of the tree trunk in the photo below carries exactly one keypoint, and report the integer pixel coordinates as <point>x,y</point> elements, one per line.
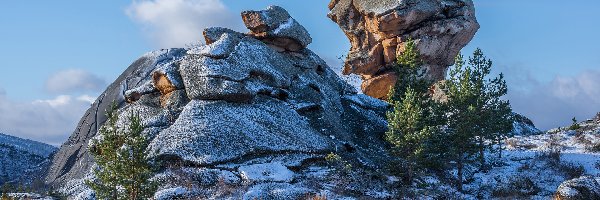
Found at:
<point>500,148</point>
<point>481,152</point>
<point>459,166</point>
<point>410,173</point>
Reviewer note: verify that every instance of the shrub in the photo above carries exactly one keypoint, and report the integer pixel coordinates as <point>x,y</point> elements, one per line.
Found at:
<point>571,170</point>
<point>595,147</point>
<point>575,125</point>
<point>518,186</point>
<point>5,197</point>
<point>515,144</point>
<point>338,163</point>
<point>554,148</point>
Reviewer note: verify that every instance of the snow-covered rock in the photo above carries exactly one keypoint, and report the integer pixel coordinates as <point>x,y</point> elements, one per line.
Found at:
<point>273,172</point>
<point>238,118</point>
<point>523,126</point>
<point>276,27</point>
<point>585,187</point>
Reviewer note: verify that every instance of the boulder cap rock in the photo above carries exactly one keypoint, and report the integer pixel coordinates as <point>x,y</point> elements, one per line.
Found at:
<point>378,32</point>
<point>275,26</point>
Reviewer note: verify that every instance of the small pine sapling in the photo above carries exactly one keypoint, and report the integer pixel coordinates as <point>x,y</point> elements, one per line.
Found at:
<point>123,170</point>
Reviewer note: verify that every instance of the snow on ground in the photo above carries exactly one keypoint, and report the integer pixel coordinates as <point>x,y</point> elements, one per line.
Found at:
<point>527,169</point>
<point>32,196</point>
<point>275,172</point>
<point>171,192</point>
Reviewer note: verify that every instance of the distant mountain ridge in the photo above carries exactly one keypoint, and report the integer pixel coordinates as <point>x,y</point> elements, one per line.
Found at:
<point>33,147</point>
<point>23,160</point>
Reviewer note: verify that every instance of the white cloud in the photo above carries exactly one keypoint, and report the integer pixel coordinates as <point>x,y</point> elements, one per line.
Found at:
<point>58,101</point>
<point>50,121</point>
<point>74,80</point>
<point>87,98</point>
<point>553,104</point>
<point>175,23</point>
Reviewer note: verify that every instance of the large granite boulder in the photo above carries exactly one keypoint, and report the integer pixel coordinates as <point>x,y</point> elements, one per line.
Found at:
<point>239,118</point>
<point>378,31</point>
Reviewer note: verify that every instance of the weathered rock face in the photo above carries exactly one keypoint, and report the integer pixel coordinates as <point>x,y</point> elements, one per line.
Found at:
<point>239,118</point>
<point>276,27</point>
<point>585,187</point>
<point>379,29</point>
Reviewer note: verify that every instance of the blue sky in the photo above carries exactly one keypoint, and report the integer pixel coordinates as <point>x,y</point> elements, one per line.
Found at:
<point>58,55</point>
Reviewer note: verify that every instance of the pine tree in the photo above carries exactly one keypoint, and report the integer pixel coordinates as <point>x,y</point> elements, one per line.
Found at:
<point>6,188</point>
<point>476,112</point>
<point>408,131</point>
<point>410,73</point>
<point>123,170</point>
<point>414,121</point>
<point>574,125</point>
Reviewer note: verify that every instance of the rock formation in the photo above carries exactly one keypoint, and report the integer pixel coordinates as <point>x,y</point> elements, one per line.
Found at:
<point>585,187</point>
<point>247,116</point>
<point>379,29</point>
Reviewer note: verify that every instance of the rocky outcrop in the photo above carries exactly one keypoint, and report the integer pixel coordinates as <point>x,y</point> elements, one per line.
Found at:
<point>523,126</point>
<point>379,29</point>
<point>585,187</point>
<point>276,27</point>
<point>246,116</point>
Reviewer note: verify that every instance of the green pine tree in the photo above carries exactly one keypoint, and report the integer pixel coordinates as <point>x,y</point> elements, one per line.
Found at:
<point>123,170</point>
<point>6,188</point>
<point>476,112</point>
<point>574,125</point>
<point>413,123</point>
<point>407,131</point>
<point>410,73</point>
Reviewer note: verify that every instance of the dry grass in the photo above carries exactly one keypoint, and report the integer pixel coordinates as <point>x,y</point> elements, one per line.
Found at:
<point>317,197</point>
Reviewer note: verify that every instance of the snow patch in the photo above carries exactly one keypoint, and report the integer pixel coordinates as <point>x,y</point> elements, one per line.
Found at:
<point>171,193</point>
<point>286,25</point>
<point>273,172</point>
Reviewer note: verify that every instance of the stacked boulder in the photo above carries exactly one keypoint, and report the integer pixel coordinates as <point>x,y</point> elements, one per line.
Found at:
<point>248,115</point>
<point>378,31</point>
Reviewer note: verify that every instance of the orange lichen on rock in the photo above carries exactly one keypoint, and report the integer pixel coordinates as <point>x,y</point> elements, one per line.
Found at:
<point>163,85</point>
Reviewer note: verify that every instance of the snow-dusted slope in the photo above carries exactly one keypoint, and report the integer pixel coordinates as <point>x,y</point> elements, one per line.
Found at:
<point>533,166</point>
<point>33,147</point>
<point>21,160</point>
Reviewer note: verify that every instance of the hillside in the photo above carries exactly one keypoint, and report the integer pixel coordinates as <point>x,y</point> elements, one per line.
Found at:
<point>21,159</point>
<point>533,166</point>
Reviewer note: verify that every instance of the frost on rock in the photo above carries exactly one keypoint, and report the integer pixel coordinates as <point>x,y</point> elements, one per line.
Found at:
<point>219,49</point>
<point>523,126</point>
<point>585,187</point>
<point>209,132</point>
<point>171,193</point>
<point>272,172</point>
<point>276,191</point>
<point>276,27</point>
<point>238,117</point>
